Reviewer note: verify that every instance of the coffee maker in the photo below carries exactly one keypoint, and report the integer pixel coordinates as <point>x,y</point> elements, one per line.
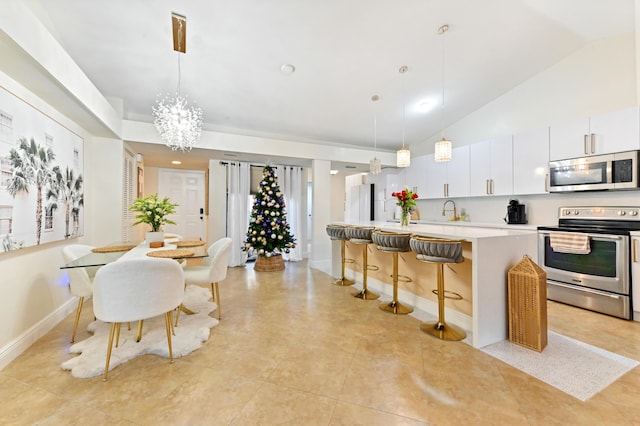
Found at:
<point>515,213</point>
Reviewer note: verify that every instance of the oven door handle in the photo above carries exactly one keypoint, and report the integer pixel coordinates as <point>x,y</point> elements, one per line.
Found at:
<point>597,237</point>
<point>587,290</point>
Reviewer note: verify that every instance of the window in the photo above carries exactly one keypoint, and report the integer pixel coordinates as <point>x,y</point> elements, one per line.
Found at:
<point>48,219</point>
<point>5,171</point>
<point>5,219</point>
<point>6,128</point>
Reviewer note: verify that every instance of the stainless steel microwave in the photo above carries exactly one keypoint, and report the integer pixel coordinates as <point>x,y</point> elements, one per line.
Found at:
<point>595,173</point>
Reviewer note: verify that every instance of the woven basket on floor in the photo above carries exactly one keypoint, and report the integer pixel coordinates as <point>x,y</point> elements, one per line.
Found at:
<point>269,264</point>
<point>527,293</point>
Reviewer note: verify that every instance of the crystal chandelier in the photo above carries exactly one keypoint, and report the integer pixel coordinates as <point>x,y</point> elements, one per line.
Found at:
<point>375,166</point>
<point>443,146</point>
<point>403,155</point>
<point>179,125</point>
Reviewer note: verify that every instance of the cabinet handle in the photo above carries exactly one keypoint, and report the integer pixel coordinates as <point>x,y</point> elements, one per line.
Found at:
<point>491,186</point>
<point>586,151</point>
<point>486,186</point>
<point>546,182</point>
<point>635,251</point>
<point>593,143</point>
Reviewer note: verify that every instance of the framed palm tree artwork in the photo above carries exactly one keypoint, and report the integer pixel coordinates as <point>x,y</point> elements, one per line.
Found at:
<point>41,177</point>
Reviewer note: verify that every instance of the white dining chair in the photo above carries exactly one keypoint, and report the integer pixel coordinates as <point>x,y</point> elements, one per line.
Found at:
<point>135,290</point>
<point>213,269</point>
<point>80,279</point>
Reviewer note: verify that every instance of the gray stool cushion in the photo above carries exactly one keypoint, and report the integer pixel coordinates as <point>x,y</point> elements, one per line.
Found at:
<point>391,242</point>
<point>336,232</point>
<point>444,251</point>
<point>359,234</point>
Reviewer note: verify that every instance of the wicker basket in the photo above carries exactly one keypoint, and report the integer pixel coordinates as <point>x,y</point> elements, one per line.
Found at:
<point>527,288</point>
<point>269,264</point>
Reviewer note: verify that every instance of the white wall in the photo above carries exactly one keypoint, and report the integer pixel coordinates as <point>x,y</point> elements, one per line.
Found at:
<point>34,290</point>
<point>598,78</point>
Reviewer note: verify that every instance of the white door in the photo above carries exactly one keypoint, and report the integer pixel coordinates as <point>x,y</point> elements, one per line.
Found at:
<point>185,187</point>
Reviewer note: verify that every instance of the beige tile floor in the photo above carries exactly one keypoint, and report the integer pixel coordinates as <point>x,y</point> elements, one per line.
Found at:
<point>294,349</point>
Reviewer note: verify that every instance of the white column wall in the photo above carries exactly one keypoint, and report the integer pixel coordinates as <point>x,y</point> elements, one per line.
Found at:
<point>320,256</point>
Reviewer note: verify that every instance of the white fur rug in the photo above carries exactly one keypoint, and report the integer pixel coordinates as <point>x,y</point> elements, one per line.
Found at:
<point>191,333</point>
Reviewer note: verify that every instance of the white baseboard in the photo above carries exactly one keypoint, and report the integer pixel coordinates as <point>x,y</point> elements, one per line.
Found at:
<point>321,265</point>
<point>14,348</point>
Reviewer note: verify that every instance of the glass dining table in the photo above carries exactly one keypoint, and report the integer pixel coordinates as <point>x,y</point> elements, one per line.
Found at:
<point>115,251</point>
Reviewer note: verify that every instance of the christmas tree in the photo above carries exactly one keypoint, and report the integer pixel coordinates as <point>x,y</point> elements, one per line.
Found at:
<point>268,232</point>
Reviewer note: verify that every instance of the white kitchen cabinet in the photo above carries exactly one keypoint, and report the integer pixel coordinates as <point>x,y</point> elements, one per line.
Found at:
<point>416,174</point>
<point>531,162</point>
<point>635,274</point>
<point>448,179</point>
<point>600,134</point>
<point>491,167</point>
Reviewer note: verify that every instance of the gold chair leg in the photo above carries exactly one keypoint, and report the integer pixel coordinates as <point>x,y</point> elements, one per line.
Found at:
<point>343,281</point>
<point>168,320</point>
<point>217,298</point>
<point>118,335</point>
<point>109,347</point>
<point>440,329</point>
<point>394,306</point>
<point>178,315</point>
<point>75,324</point>
<point>365,293</point>
<point>139,335</point>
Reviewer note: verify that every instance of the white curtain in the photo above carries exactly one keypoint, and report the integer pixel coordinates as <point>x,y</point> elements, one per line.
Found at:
<point>290,181</point>
<point>237,210</point>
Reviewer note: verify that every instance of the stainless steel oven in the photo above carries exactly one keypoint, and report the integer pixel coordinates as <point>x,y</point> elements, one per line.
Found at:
<point>599,278</point>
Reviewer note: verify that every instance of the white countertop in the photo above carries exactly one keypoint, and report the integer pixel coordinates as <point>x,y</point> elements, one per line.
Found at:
<point>450,230</point>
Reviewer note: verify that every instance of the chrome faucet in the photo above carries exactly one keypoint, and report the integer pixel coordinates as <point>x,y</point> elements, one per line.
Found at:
<point>445,210</point>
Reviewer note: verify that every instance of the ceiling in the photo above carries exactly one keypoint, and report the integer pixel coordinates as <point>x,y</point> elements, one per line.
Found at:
<point>343,53</point>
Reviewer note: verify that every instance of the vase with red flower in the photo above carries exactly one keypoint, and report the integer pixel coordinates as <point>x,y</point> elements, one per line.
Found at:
<point>406,199</point>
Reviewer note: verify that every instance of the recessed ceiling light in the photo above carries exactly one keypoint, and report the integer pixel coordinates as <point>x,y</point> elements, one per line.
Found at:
<point>287,69</point>
<point>176,162</point>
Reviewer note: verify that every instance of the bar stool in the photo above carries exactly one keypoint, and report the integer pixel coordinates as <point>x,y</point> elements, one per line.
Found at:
<point>362,235</point>
<point>394,243</point>
<point>336,232</point>
<point>440,251</point>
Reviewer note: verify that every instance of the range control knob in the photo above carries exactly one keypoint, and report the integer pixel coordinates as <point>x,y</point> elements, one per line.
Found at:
<point>622,213</point>
<point>567,212</point>
<point>576,212</point>
<point>633,212</point>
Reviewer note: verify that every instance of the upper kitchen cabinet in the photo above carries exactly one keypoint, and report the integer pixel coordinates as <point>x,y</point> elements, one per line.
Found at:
<point>600,134</point>
<point>448,179</point>
<point>491,167</point>
<point>416,174</point>
<point>531,162</point>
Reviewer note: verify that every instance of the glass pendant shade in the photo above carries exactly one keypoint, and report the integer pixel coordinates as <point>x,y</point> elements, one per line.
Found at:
<point>375,166</point>
<point>442,150</point>
<point>178,124</point>
<point>403,157</point>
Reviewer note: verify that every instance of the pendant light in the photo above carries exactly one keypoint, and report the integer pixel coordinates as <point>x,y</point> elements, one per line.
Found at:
<point>178,124</point>
<point>403,155</point>
<point>375,166</point>
<point>443,146</point>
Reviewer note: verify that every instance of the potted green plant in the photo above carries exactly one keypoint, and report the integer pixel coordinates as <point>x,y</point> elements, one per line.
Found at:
<point>153,211</point>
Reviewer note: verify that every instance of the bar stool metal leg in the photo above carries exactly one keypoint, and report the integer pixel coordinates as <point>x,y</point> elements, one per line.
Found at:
<point>344,281</point>
<point>440,328</point>
<point>365,293</point>
<point>394,306</point>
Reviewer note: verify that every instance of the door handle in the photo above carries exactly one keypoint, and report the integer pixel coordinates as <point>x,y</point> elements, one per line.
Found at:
<point>201,210</point>
<point>586,151</point>
<point>635,251</point>
<point>593,143</point>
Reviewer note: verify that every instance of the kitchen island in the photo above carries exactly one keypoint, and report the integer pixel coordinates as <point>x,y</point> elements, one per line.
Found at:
<point>481,279</point>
